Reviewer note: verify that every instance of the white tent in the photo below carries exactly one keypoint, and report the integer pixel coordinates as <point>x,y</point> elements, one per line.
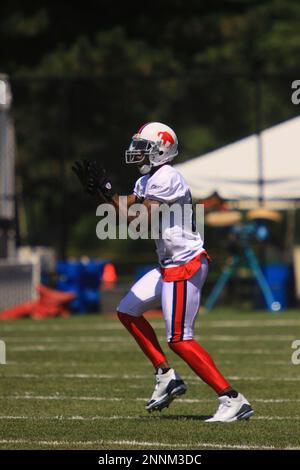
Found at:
<point>233,171</point>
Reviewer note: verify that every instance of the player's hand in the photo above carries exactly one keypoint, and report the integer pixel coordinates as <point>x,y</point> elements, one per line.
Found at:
<point>99,181</point>
<point>80,168</point>
<point>94,179</point>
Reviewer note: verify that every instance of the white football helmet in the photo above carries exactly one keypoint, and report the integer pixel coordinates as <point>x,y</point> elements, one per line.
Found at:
<point>154,140</point>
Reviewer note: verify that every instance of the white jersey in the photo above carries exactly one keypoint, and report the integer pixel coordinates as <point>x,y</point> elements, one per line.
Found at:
<point>176,244</point>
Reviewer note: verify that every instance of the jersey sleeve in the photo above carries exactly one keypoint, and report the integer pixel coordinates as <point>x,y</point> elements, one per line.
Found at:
<point>138,189</point>
<point>167,188</point>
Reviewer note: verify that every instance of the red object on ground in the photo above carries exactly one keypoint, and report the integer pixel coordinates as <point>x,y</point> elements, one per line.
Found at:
<point>51,303</point>
<point>21,310</point>
<point>109,276</point>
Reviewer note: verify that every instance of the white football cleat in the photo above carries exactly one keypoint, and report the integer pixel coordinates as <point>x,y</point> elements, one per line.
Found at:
<point>168,386</point>
<point>232,409</point>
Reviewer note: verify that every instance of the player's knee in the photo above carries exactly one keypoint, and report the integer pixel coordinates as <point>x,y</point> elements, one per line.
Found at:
<point>176,343</point>
<point>126,305</point>
<point>121,308</point>
<point>173,343</point>
<point>124,318</point>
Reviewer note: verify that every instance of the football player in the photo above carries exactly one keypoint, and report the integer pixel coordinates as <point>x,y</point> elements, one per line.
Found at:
<point>177,283</point>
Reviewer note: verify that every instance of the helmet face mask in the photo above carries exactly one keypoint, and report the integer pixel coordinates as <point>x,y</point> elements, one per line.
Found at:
<point>139,149</point>
<point>154,140</point>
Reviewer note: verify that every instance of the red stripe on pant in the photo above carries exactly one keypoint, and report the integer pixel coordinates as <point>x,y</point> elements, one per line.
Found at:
<point>201,362</point>
<point>145,336</point>
<point>178,313</point>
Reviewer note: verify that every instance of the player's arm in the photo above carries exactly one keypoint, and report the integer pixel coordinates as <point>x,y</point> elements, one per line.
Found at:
<point>122,209</point>
<point>152,206</point>
<point>96,182</point>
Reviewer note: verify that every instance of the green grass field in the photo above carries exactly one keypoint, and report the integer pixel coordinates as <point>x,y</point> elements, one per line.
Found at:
<point>81,383</point>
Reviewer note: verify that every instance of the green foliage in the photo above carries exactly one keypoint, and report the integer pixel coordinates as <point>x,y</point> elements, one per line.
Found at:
<point>84,79</point>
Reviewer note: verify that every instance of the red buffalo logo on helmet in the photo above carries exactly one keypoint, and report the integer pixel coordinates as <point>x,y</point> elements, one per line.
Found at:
<point>166,137</point>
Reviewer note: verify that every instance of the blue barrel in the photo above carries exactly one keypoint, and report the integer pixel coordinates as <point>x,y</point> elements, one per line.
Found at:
<point>92,272</point>
<point>84,279</point>
<point>280,280</point>
<point>70,271</point>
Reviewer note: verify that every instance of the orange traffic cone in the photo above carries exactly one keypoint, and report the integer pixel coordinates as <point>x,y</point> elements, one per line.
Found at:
<point>109,276</point>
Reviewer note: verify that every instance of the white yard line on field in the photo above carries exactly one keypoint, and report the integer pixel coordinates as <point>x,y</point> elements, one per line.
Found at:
<point>276,363</point>
<point>266,352</point>
<point>234,378</point>
<point>71,418</point>
<point>67,339</point>
<point>82,364</point>
<point>101,442</point>
<point>127,339</point>
<point>249,338</point>
<point>42,348</point>
<point>29,396</point>
<point>79,376</point>
<point>273,379</point>
<point>61,397</point>
<point>120,418</point>
<point>192,379</point>
<point>251,323</point>
<point>111,325</point>
<point>42,344</point>
<point>69,327</point>
<point>86,347</point>
<point>276,418</point>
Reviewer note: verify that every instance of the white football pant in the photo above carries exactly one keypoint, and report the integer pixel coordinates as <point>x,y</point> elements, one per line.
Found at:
<point>180,300</point>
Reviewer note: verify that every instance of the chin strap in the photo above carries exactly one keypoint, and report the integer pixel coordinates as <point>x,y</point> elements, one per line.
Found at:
<point>145,169</point>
